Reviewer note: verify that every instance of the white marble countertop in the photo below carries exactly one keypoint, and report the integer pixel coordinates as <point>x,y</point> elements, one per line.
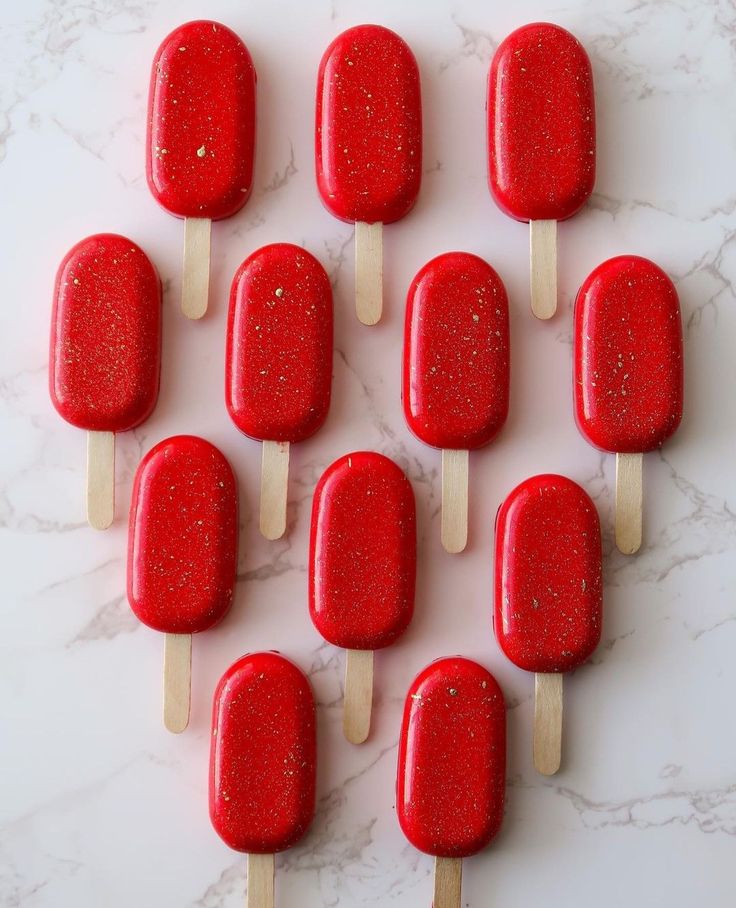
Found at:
<point>101,806</point>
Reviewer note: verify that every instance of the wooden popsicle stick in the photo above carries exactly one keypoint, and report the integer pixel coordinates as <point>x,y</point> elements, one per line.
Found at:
<point>195,280</point>
<point>274,483</point>
<point>358,698</point>
<point>100,479</point>
<point>628,502</point>
<point>543,267</point>
<point>368,272</point>
<point>177,681</point>
<point>448,879</point>
<point>260,881</point>
<point>547,722</point>
<point>454,500</point>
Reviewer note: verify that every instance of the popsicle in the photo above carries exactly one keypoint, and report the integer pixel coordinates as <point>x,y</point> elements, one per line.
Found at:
<point>182,553</point>
<point>548,599</point>
<point>362,568</point>
<point>368,145</point>
<point>262,763</point>
<point>278,363</point>
<point>628,385</point>
<point>201,140</point>
<point>456,371</point>
<point>105,353</point>
<point>541,141</point>
<point>451,774</point>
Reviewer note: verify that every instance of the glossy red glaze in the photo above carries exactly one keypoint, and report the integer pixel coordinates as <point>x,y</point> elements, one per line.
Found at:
<point>362,558</point>
<point>105,353</point>
<point>628,385</point>
<point>456,353</point>
<point>548,607</point>
<point>278,363</point>
<point>201,122</point>
<point>183,536</point>
<point>263,755</point>
<point>369,126</point>
<point>541,124</point>
<point>451,775</point>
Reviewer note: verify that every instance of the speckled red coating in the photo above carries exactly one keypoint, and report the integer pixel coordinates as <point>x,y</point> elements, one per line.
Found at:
<point>201,122</point>
<point>451,777</point>
<point>278,362</point>
<point>541,124</point>
<point>548,599</point>
<point>105,354</point>
<point>362,558</point>
<point>183,536</point>
<point>262,755</point>
<point>628,383</point>
<point>369,126</point>
<point>456,353</point>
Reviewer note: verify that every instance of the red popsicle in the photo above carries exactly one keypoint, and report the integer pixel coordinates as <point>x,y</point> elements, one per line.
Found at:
<point>278,363</point>
<point>368,144</point>
<point>628,383</point>
<point>262,763</point>
<point>456,371</point>
<point>362,567</point>
<point>548,600</point>
<point>201,139</point>
<point>541,141</point>
<point>182,553</point>
<point>451,774</point>
<point>105,352</point>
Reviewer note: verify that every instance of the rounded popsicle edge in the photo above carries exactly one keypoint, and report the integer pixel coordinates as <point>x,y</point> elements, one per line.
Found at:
<point>105,337</point>
<point>368,63</point>
<point>451,767</point>
<point>620,306</point>
<point>365,497</point>
<point>528,603</point>
<point>455,304</point>
<point>263,717</point>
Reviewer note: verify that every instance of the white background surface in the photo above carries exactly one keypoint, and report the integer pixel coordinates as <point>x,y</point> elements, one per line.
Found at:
<point>99,805</point>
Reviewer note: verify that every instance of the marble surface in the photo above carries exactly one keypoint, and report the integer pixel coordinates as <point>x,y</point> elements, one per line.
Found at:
<point>99,805</point>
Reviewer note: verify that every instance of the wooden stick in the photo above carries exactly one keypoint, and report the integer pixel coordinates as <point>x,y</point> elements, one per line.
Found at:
<point>358,700</point>
<point>448,879</point>
<point>368,272</point>
<point>177,681</point>
<point>274,483</point>
<point>454,500</point>
<point>195,281</point>
<point>628,502</point>
<point>547,722</point>
<point>100,479</point>
<point>543,265</point>
<point>260,881</point>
